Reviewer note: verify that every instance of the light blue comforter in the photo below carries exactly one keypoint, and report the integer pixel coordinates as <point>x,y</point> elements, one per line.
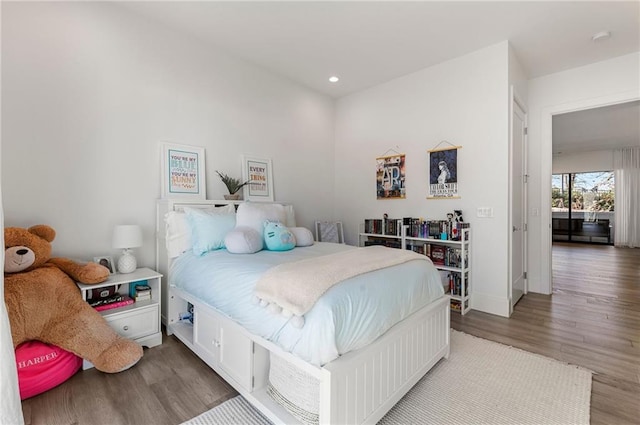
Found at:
<point>349,316</point>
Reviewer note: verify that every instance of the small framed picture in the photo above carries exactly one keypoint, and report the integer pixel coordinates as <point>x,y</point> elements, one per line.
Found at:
<point>106,261</point>
<point>183,171</point>
<point>259,173</point>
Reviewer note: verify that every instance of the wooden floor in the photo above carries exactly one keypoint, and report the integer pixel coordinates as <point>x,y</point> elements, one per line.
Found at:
<point>592,320</point>
<point>168,386</point>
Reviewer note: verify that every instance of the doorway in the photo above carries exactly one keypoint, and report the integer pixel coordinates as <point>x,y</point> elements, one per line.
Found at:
<point>518,183</point>
<point>549,149</point>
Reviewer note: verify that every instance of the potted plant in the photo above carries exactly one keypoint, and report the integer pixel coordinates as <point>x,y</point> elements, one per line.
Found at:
<point>233,185</point>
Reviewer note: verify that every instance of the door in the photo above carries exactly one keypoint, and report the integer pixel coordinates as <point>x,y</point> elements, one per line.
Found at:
<point>518,203</point>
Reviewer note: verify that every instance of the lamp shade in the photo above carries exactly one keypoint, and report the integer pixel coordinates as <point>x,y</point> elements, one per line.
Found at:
<point>127,236</point>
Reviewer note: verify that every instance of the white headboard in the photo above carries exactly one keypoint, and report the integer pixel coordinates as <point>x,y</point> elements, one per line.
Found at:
<point>163,262</point>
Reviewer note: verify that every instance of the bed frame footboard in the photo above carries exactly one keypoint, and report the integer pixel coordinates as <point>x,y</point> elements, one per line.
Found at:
<point>361,387</point>
<point>357,388</point>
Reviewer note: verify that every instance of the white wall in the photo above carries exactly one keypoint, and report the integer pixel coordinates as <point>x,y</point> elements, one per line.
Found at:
<point>463,101</point>
<point>582,162</point>
<point>89,90</point>
<point>585,87</point>
<point>517,76</point>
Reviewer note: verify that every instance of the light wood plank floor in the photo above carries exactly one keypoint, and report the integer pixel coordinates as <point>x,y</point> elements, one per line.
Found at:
<point>592,320</point>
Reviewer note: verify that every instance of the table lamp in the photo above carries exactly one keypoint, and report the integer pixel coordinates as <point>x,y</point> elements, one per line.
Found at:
<point>126,237</point>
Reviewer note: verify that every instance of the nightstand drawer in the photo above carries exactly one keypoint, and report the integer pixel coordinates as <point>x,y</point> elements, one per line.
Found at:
<point>136,323</point>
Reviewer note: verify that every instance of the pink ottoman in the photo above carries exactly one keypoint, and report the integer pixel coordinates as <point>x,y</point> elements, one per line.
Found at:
<point>43,366</point>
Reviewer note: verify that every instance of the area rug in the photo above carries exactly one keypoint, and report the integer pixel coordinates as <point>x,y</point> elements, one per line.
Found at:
<point>482,382</point>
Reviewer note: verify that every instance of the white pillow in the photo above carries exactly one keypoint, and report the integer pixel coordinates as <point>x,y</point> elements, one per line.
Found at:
<point>303,236</point>
<point>178,230</point>
<point>253,215</point>
<point>243,240</point>
<point>209,228</point>
<point>178,233</point>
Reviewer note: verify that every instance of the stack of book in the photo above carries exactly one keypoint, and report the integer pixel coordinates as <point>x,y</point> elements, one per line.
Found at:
<point>111,301</point>
<point>141,292</point>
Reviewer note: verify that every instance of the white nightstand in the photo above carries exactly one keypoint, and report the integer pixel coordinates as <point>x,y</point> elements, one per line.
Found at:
<point>139,321</point>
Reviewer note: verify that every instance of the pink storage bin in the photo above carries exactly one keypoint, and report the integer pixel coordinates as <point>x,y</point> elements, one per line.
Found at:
<point>43,366</point>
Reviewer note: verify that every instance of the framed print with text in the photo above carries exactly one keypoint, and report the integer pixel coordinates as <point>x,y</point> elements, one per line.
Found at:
<point>183,172</point>
<point>443,173</point>
<point>259,173</point>
<point>390,177</point>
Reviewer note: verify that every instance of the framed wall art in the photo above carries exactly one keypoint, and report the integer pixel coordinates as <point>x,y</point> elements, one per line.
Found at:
<point>259,173</point>
<point>390,177</point>
<point>443,172</point>
<point>183,171</point>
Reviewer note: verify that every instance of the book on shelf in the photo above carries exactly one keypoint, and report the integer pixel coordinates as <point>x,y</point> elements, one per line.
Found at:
<point>372,242</point>
<point>142,293</point>
<point>373,226</point>
<point>106,300</point>
<point>387,226</point>
<point>392,227</point>
<point>438,253</point>
<point>136,286</point>
<point>142,290</point>
<point>139,298</point>
<point>100,304</point>
<point>434,229</point>
<point>124,302</point>
<point>416,227</point>
<point>455,285</point>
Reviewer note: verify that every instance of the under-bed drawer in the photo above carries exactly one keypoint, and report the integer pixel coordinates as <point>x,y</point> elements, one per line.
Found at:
<point>224,342</point>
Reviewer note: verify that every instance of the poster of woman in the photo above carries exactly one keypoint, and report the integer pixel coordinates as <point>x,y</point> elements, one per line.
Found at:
<point>443,173</point>
<point>390,177</point>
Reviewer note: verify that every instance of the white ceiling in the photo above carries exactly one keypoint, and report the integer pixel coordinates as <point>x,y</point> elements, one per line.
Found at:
<point>369,43</point>
<point>609,127</point>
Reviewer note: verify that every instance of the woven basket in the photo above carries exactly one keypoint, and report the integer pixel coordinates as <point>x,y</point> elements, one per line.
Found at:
<point>294,389</point>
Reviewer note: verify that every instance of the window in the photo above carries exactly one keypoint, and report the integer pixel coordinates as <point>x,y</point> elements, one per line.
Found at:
<point>582,206</point>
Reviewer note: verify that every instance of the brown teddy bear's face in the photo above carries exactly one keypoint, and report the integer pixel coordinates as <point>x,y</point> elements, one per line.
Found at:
<point>26,249</point>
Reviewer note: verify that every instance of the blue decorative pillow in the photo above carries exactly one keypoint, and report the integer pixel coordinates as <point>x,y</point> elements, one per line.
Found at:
<point>277,237</point>
<point>209,228</point>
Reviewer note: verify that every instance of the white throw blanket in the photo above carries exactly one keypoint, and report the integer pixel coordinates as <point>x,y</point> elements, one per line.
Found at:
<point>293,288</point>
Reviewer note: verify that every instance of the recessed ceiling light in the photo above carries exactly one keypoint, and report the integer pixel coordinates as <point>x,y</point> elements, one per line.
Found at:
<point>334,79</point>
<point>601,36</point>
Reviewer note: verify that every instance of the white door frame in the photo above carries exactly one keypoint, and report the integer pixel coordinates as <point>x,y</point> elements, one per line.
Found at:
<point>515,99</point>
<point>546,145</point>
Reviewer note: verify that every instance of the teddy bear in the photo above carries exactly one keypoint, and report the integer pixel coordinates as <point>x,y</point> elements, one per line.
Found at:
<point>45,304</point>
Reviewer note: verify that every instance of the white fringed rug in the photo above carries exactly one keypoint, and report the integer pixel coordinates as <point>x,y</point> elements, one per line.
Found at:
<point>482,382</point>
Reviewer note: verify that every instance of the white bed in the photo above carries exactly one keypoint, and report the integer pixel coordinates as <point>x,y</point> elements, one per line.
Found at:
<point>357,387</point>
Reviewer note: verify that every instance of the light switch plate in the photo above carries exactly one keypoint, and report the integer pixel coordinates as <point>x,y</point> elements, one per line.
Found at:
<point>485,212</point>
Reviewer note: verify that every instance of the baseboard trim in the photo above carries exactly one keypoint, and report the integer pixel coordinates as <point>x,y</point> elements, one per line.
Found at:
<point>490,304</point>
